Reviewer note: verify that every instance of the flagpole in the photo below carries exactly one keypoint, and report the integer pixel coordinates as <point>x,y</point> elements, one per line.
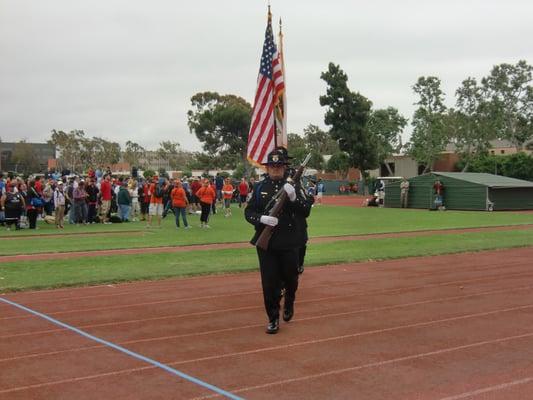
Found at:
<point>284,96</point>
<point>275,125</point>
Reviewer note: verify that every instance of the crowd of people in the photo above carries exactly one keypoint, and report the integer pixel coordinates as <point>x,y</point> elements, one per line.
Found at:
<point>101,198</point>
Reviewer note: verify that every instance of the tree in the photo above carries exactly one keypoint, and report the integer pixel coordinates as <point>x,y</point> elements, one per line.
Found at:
<point>133,154</point>
<point>509,89</point>
<point>99,152</point>
<point>470,123</point>
<point>169,152</point>
<point>386,125</point>
<point>78,152</point>
<point>202,161</point>
<point>316,140</point>
<point>297,146</point>
<point>348,114</point>
<point>221,123</point>
<point>429,137</point>
<point>519,165</point>
<point>25,158</point>
<point>339,162</point>
<point>148,174</point>
<point>69,147</point>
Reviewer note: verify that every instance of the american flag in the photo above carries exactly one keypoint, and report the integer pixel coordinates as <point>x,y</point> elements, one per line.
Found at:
<point>268,101</point>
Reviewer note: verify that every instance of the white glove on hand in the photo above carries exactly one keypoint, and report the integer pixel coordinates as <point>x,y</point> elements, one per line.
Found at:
<point>291,192</point>
<point>268,220</point>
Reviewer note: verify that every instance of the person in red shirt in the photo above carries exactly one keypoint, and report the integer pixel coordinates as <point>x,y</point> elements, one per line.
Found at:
<point>105,196</point>
<point>145,205</point>
<point>207,196</point>
<point>38,185</point>
<point>195,186</point>
<point>227,194</point>
<point>243,192</point>
<point>179,204</point>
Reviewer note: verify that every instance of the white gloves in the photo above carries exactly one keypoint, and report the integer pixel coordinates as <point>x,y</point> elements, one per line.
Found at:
<point>291,192</point>
<point>268,220</point>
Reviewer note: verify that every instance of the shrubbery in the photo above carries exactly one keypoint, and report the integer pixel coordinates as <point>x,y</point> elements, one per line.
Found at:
<point>519,165</point>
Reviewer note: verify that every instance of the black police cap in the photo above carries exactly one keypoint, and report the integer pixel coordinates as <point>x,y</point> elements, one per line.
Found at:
<point>278,156</point>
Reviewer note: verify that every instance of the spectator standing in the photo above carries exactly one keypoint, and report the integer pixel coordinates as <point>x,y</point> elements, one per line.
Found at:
<point>214,203</point>
<point>69,208</point>
<point>92,201</point>
<point>79,195</point>
<point>134,195</point>
<point>34,204</point>
<point>187,187</point>
<point>12,204</point>
<point>167,200</point>
<point>157,191</point>
<point>145,202</point>
<point>320,190</point>
<point>48,198</point>
<point>59,205</point>
<point>106,196</point>
<point>438,190</point>
<point>124,202</point>
<point>179,204</point>
<point>243,192</point>
<point>207,196</point>
<point>38,186</point>
<point>2,184</point>
<point>219,184</point>
<point>195,202</point>
<point>227,193</point>
<point>404,193</point>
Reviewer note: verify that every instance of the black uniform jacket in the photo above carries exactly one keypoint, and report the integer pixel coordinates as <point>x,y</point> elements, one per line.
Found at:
<point>291,223</point>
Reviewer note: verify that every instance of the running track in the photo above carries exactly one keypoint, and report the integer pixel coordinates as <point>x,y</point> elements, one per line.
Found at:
<point>445,328</point>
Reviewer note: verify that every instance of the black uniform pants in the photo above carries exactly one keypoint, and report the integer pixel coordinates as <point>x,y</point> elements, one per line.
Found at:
<point>279,268</point>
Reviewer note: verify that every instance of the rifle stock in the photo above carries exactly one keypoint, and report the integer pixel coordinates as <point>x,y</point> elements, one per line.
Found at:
<point>264,238</point>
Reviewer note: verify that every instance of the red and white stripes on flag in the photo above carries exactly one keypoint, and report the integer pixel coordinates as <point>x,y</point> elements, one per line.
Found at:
<point>269,104</point>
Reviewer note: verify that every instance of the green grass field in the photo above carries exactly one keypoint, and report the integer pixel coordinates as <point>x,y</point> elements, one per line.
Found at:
<point>324,221</point>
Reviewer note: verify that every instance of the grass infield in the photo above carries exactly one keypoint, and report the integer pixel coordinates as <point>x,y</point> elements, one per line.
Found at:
<point>324,221</point>
<point>112,269</point>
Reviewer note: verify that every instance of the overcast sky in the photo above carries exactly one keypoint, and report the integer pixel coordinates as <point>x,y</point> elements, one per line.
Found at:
<point>126,69</point>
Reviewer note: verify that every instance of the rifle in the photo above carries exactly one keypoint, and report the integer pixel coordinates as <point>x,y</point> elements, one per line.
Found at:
<point>275,211</point>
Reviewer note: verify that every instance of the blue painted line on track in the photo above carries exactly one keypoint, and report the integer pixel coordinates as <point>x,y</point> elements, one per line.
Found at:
<point>148,360</point>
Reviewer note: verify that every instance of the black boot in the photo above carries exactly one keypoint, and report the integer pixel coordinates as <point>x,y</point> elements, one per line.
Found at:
<point>288,312</point>
<point>273,326</point>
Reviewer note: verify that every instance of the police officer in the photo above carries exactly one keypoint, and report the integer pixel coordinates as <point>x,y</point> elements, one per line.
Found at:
<point>279,263</point>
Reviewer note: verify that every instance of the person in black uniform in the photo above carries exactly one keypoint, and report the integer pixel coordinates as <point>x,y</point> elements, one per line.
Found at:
<point>302,233</point>
<point>279,263</point>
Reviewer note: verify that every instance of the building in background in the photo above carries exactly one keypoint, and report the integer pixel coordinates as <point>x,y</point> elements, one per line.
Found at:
<point>43,152</point>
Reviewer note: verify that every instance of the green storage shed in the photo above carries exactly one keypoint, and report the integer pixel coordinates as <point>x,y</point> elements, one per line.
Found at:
<point>465,191</point>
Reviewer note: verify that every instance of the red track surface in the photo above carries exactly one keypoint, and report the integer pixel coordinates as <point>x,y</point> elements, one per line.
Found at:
<point>450,327</point>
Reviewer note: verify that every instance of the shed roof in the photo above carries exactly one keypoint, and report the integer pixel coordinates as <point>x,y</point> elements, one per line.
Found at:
<point>490,180</point>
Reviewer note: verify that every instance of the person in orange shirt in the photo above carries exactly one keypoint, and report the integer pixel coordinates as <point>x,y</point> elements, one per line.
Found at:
<point>207,196</point>
<point>156,191</point>
<point>227,193</point>
<point>179,204</point>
